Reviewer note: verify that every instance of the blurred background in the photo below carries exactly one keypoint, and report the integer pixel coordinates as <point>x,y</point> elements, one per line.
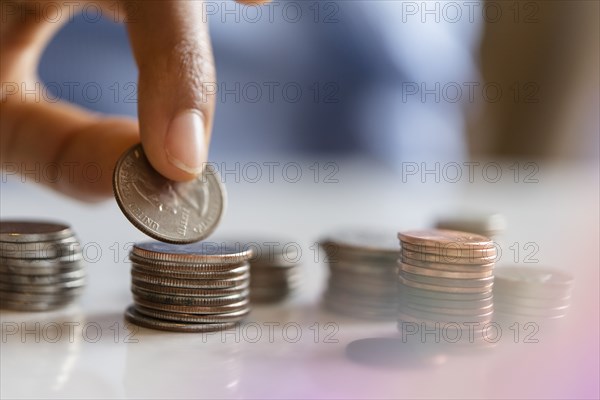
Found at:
<point>389,81</point>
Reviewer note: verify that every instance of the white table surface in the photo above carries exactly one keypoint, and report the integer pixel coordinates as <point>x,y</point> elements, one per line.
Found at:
<point>102,356</point>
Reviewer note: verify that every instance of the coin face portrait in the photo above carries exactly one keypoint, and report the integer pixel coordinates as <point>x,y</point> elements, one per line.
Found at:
<point>173,212</point>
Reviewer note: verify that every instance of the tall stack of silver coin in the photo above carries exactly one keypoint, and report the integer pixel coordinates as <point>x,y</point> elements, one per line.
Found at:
<point>531,293</point>
<point>274,270</point>
<point>41,265</point>
<point>200,287</point>
<point>362,274</point>
<point>447,279</point>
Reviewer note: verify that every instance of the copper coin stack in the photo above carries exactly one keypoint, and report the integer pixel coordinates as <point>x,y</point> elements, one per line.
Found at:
<point>41,265</point>
<point>525,294</point>
<point>275,270</point>
<point>446,281</point>
<point>362,274</point>
<point>199,287</point>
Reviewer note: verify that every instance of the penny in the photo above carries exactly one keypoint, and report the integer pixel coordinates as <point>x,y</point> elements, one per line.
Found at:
<point>173,212</point>
<point>444,237</point>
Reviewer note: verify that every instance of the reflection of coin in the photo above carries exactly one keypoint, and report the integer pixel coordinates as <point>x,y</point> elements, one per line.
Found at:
<point>174,212</point>
<point>446,289</point>
<point>132,315</point>
<point>447,267</point>
<point>445,274</point>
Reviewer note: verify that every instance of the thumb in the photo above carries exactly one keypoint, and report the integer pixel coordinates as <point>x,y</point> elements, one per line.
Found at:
<point>176,85</point>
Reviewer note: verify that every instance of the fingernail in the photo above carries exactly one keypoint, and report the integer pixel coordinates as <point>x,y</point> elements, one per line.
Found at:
<point>185,144</point>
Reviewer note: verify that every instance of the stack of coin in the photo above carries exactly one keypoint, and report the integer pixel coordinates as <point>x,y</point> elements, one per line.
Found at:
<point>447,279</point>
<point>489,225</point>
<point>362,274</point>
<point>527,293</point>
<point>41,265</point>
<point>200,287</point>
<point>275,270</point>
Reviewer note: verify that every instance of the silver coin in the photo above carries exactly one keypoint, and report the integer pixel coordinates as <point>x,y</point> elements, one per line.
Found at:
<point>32,306</point>
<point>177,291</point>
<point>446,267</point>
<point>358,288</point>
<point>382,302</point>
<point>280,253</point>
<point>182,267</point>
<point>240,305</point>
<point>205,252</point>
<point>198,274</point>
<point>61,287</point>
<point>32,231</point>
<point>549,312</point>
<point>364,269</point>
<point>518,301</point>
<point>483,224</point>
<point>57,269</point>
<point>436,273</point>
<point>234,316</point>
<point>189,300</point>
<point>174,212</point>
<point>42,279</point>
<point>190,283</point>
<point>40,297</point>
<point>360,312</point>
<point>533,278</point>
<point>134,316</point>
<point>41,250</point>
<point>365,240</point>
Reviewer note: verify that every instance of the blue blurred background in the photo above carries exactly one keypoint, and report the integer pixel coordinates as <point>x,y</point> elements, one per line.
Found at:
<point>339,78</point>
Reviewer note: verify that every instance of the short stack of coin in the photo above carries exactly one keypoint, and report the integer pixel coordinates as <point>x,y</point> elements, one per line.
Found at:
<point>41,265</point>
<point>447,279</point>
<point>488,225</point>
<point>531,293</point>
<point>200,287</point>
<point>362,274</point>
<point>274,270</point>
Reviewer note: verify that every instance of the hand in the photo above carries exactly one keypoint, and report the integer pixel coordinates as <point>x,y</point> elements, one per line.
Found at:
<point>171,46</point>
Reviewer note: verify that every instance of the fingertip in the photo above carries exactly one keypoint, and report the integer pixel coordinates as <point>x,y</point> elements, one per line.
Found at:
<point>183,153</point>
